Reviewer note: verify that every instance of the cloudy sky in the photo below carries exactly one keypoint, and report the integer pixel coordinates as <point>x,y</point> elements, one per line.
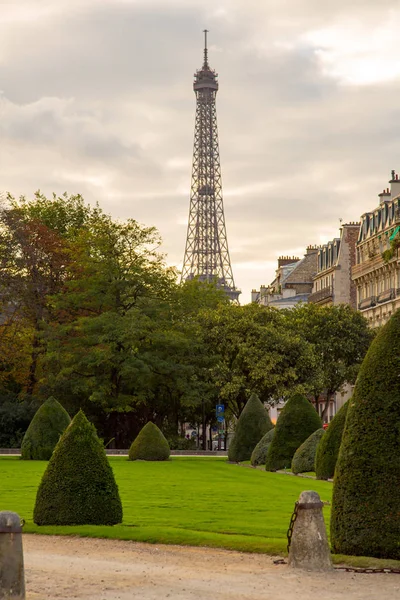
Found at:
<point>96,97</point>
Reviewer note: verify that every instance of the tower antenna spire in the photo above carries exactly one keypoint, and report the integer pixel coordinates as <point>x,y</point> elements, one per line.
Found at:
<point>205,31</point>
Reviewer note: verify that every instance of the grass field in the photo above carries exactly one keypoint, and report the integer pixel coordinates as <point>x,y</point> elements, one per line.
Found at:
<point>192,501</point>
<point>189,501</point>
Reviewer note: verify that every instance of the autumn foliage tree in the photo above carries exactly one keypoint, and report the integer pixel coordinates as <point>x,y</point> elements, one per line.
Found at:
<point>34,254</point>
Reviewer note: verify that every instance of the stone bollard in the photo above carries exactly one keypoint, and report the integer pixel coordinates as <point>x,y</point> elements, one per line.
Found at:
<point>309,548</point>
<point>12,580</point>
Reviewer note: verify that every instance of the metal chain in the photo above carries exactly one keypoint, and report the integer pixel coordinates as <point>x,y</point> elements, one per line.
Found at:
<point>366,570</point>
<point>281,561</point>
<point>291,524</point>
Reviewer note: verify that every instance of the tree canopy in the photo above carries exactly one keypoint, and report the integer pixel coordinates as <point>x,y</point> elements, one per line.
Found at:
<point>93,315</point>
<point>255,351</point>
<point>340,338</point>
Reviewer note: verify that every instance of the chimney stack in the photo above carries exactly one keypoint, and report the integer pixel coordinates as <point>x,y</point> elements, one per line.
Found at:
<point>394,185</point>
<point>287,260</point>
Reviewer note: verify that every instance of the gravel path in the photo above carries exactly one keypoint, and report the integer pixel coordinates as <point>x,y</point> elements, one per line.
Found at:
<point>91,569</point>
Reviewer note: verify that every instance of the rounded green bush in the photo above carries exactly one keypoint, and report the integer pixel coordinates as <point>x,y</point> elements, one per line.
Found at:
<point>303,460</point>
<point>259,454</point>
<point>365,519</point>
<point>252,425</point>
<point>48,424</point>
<point>328,448</point>
<point>297,421</point>
<point>78,486</point>
<point>150,444</point>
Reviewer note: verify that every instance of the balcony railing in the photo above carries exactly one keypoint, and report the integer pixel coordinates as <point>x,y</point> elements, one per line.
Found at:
<point>367,303</point>
<point>386,295</point>
<point>324,294</point>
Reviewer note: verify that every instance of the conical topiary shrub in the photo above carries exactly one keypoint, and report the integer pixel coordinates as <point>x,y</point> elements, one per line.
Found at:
<point>297,421</point>
<point>259,454</point>
<point>150,444</point>
<point>365,518</point>
<point>303,459</point>
<point>328,448</point>
<point>252,425</point>
<point>48,424</point>
<point>78,486</point>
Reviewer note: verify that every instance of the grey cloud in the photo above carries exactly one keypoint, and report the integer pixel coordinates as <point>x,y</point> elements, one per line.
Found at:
<point>100,101</point>
<point>54,122</point>
<point>101,51</point>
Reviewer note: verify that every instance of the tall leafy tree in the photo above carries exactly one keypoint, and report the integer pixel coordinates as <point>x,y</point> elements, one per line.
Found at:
<point>255,351</point>
<point>340,337</point>
<point>126,342</point>
<point>92,314</point>
<point>114,271</point>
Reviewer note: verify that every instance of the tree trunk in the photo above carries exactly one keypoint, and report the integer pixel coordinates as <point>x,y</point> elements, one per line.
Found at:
<point>32,379</point>
<point>329,396</point>
<point>204,432</point>
<point>317,402</point>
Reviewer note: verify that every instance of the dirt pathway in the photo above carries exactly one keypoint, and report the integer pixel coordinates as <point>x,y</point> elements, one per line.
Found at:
<point>89,569</point>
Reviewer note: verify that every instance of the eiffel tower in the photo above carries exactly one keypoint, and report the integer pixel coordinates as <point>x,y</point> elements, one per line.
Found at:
<point>206,252</point>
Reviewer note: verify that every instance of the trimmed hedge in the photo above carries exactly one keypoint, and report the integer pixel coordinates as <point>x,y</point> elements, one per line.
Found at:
<point>47,426</point>
<point>150,444</point>
<point>303,460</point>
<point>78,486</point>
<point>365,517</point>
<point>297,421</point>
<point>328,448</point>
<point>259,454</point>
<point>251,426</point>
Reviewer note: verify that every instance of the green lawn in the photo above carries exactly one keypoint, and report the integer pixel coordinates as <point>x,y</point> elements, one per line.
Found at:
<point>193,501</point>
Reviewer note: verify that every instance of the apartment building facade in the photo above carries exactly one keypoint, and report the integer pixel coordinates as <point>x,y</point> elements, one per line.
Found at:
<point>333,282</point>
<point>376,273</point>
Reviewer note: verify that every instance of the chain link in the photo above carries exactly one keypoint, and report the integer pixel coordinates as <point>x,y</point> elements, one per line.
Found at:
<point>291,524</point>
<point>367,570</point>
<point>282,561</point>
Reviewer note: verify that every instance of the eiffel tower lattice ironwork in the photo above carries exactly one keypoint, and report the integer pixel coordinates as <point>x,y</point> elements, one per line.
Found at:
<point>206,252</point>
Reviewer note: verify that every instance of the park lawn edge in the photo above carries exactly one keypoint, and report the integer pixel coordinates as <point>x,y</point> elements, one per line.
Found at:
<point>178,537</point>
<point>167,536</point>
